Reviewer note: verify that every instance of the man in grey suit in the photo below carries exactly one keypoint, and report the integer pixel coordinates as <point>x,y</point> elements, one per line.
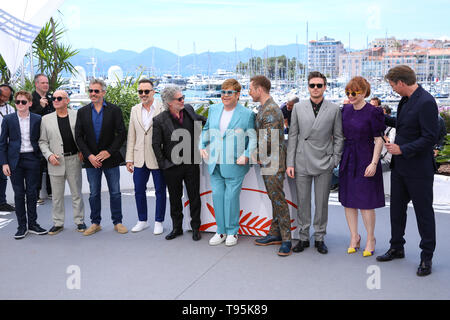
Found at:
<point>314,149</point>
<point>57,143</point>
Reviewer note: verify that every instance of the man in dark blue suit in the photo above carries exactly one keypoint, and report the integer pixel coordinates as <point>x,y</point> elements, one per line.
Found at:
<point>412,165</point>
<point>20,156</point>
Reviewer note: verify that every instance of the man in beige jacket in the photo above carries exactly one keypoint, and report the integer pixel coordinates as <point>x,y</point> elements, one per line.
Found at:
<point>58,146</point>
<point>141,159</point>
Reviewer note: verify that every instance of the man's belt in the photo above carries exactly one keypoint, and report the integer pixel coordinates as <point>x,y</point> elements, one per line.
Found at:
<point>67,154</point>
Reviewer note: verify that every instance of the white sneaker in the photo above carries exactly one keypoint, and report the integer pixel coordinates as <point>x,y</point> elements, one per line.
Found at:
<point>141,225</point>
<point>231,240</point>
<point>217,239</point>
<point>158,228</point>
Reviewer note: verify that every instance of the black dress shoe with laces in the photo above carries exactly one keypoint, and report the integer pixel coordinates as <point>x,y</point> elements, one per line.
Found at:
<point>424,268</point>
<point>196,235</point>
<point>321,247</point>
<point>174,233</point>
<point>301,245</point>
<point>392,254</point>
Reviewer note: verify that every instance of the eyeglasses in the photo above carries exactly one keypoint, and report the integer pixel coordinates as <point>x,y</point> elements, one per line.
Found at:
<point>57,98</point>
<point>227,92</point>
<point>180,98</point>
<point>94,90</point>
<point>353,93</point>
<point>313,85</point>
<point>144,91</point>
<point>24,102</point>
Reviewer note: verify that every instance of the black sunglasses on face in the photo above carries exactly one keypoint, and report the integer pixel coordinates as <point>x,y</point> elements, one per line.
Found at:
<point>94,90</point>
<point>318,85</point>
<point>57,98</point>
<point>144,91</point>
<point>180,98</point>
<point>24,102</point>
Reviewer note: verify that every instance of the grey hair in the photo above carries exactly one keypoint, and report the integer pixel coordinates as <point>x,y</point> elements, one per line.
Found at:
<point>98,81</point>
<point>168,94</point>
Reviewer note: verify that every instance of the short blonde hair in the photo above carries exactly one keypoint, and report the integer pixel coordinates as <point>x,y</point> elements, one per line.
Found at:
<point>231,84</point>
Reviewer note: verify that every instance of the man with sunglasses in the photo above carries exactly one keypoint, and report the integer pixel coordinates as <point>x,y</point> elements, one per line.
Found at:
<point>179,126</point>
<point>6,95</point>
<point>413,165</point>
<point>141,159</point>
<point>314,150</point>
<point>228,141</point>
<point>42,105</point>
<point>19,157</point>
<point>100,133</point>
<point>58,146</point>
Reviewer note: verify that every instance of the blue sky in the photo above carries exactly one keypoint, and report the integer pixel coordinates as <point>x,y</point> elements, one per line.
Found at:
<point>214,25</point>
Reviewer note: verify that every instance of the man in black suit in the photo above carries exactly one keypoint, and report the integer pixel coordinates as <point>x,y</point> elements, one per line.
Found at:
<point>19,157</point>
<point>412,165</point>
<point>42,105</point>
<point>179,164</point>
<point>100,132</point>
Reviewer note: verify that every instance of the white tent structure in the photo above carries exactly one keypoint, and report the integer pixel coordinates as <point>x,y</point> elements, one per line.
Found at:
<point>20,23</point>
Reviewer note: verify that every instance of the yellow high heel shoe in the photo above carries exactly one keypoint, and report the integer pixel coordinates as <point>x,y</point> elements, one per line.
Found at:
<point>369,253</point>
<point>351,250</point>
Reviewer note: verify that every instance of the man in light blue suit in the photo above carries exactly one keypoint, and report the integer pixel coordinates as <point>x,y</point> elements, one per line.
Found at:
<point>228,139</point>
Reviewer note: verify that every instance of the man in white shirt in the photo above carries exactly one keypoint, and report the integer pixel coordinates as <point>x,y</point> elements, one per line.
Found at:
<point>19,157</point>
<point>6,95</point>
<point>140,158</point>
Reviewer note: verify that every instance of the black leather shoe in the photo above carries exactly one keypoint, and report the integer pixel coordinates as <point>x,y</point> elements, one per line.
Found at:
<point>424,268</point>
<point>392,254</point>
<point>321,247</point>
<point>196,235</point>
<point>301,245</point>
<point>174,233</point>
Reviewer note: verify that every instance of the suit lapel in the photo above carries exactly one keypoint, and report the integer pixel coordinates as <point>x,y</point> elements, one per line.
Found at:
<point>54,123</point>
<point>139,115</point>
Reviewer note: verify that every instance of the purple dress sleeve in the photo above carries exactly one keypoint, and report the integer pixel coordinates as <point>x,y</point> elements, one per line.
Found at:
<point>377,122</point>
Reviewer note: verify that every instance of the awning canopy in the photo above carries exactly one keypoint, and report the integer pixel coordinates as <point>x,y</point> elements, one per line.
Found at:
<point>20,23</point>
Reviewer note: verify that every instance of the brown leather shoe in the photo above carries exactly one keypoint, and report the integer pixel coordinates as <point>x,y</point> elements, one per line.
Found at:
<point>92,229</point>
<point>120,228</point>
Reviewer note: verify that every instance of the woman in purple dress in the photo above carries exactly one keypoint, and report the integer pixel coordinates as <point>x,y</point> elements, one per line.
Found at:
<point>360,174</point>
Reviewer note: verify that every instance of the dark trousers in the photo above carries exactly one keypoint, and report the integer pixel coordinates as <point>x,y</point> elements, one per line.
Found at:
<point>3,182</point>
<point>420,192</point>
<point>43,167</point>
<point>24,180</point>
<point>175,176</point>
<point>140,179</point>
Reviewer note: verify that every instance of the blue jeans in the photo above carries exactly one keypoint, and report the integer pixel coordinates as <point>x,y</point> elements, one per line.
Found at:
<point>140,179</point>
<point>112,176</point>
